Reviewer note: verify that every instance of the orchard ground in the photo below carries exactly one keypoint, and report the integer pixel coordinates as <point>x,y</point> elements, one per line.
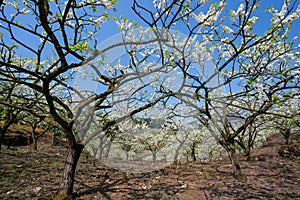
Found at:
<point>25,174</point>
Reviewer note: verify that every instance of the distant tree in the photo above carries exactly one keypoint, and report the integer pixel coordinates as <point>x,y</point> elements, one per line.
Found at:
<point>14,105</point>
<point>8,115</point>
<point>284,118</point>
<point>248,139</point>
<point>38,128</point>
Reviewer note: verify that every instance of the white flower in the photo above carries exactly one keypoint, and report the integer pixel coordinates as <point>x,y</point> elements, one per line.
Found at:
<point>247,27</point>
<point>253,19</point>
<point>100,20</point>
<point>14,5</point>
<point>159,5</point>
<point>227,29</point>
<point>239,11</point>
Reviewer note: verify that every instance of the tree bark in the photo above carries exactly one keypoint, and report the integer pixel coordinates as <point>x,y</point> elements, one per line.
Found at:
<point>1,138</point>
<point>34,143</point>
<point>237,172</point>
<point>248,154</point>
<point>34,140</point>
<point>194,152</point>
<point>100,149</point>
<point>67,180</point>
<point>287,135</point>
<point>127,155</point>
<point>54,140</point>
<point>108,149</point>
<point>3,130</point>
<point>154,156</point>
<point>177,153</point>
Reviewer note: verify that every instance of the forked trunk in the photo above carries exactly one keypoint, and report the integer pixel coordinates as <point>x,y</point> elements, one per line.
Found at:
<point>237,172</point>
<point>67,180</point>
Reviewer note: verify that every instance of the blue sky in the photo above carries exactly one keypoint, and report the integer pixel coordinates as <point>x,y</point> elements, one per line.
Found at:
<point>124,8</point>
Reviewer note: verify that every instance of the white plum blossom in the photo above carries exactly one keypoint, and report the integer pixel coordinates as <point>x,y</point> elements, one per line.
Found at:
<point>100,20</point>
<point>227,29</point>
<point>25,9</point>
<point>240,11</point>
<point>253,20</point>
<point>247,27</point>
<point>158,4</point>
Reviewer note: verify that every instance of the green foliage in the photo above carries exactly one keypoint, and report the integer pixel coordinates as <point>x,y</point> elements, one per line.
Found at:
<point>114,2</point>
<point>81,47</point>
<point>3,113</point>
<point>106,16</point>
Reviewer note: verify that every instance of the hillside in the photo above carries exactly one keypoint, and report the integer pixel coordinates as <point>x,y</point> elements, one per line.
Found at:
<point>35,175</point>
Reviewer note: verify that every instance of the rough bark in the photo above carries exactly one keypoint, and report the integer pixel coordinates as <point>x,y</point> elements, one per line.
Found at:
<point>34,139</point>
<point>67,180</point>
<point>237,172</point>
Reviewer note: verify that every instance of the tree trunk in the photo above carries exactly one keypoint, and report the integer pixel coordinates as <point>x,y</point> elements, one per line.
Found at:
<point>287,138</point>
<point>127,155</point>
<point>1,138</point>
<point>67,180</point>
<point>194,152</point>
<point>34,140</point>
<point>176,155</point>
<point>35,144</point>
<point>108,149</point>
<point>154,156</point>
<point>100,149</point>
<point>3,130</point>
<point>248,154</point>
<point>54,140</point>
<point>237,172</point>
